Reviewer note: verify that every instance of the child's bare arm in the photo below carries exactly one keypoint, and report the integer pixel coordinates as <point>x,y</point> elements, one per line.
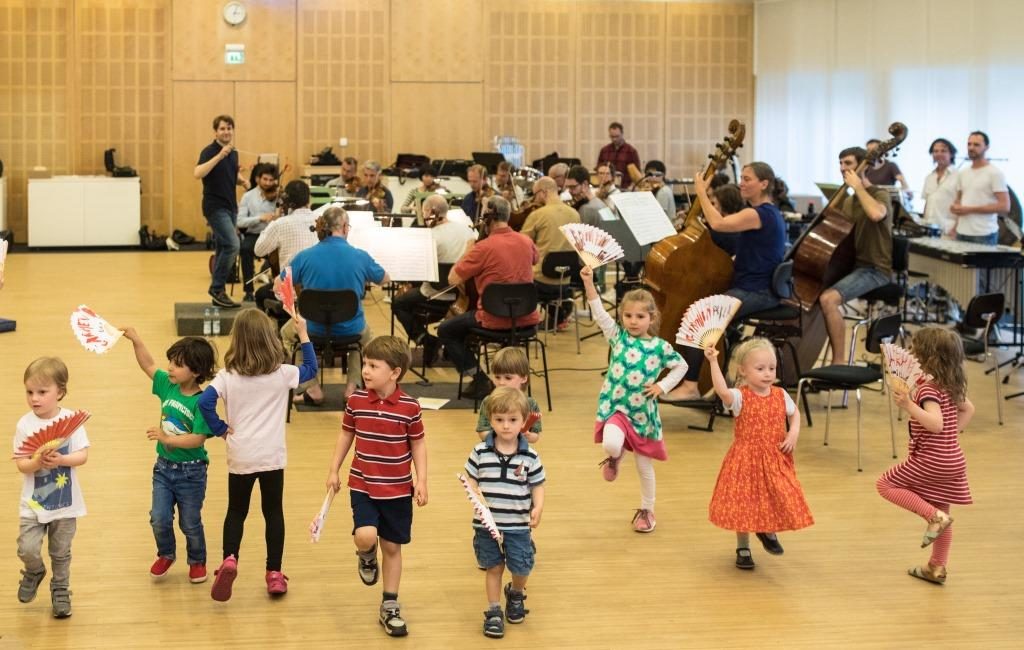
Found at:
<point>345,439</point>
<point>789,444</point>
<point>31,465</point>
<point>142,355</point>
<point>964,414</point>
<point>717,378</point>
<point>419,461</point>
<point>74,459</point>
<point>537,495</point>
<point>184,441</point>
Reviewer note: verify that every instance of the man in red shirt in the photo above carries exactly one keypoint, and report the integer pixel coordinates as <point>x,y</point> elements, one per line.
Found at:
<point>505,256</point>
<point>619,153</point>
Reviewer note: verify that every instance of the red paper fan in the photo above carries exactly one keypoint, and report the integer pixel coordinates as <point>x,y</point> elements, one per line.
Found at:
<point>52,436</point>
<point>705,321</point>
<point>94,333</point>
<point>903,371</point>
<point>286,291</point>
<point>483,513</point>
<point>594,246</point>
<point>531,420</point>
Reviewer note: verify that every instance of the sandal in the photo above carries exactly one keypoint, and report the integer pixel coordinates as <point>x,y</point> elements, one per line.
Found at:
<point>936,575</point>
<point>306,400</point>
<point>939,522</point>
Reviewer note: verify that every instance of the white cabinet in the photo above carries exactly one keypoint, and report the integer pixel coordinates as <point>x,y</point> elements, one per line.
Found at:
<point>83,211</point>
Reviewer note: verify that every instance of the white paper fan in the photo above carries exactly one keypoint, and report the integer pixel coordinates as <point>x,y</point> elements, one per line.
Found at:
<point>94,333</point>
<point>316,528</point>
<point>594,246</point>
<point>3,254</point>
<point>903,371</point>
<point>483,513</point>
<point>705,321</point>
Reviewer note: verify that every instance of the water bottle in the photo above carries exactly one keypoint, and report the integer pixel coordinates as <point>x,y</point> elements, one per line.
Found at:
<point>207,322</point>
<point>216,321</point>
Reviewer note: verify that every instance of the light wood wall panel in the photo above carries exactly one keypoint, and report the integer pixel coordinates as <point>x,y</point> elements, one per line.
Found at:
<point>442,120</point>
<point>530,75</point>
<point>621,76</point>
<point>200,34</point>
<point>441,40</point>
<point>123,95</point>
<point>710,80</point>
<point>36,88</point>
<point>265,118</point>
<point>343,76</point>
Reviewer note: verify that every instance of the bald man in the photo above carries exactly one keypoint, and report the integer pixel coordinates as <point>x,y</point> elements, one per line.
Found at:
<point>542,226</point>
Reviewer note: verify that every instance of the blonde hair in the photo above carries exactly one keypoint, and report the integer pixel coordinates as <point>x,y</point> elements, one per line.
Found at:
<point>391,350</point>
<point>256,347</point>
<point>505,399</point>
<point>511,361</point>
<point>48,369</point>
<point>644,297</point>
<point>941,354</point>
<point>744,349</point>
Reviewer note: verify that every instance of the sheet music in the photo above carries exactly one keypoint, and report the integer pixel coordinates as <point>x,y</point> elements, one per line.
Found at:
<point>607,214</point>
<point>359,220</point>
<point>407,254</point>
<point>644,216</point>
<point>456,215</point>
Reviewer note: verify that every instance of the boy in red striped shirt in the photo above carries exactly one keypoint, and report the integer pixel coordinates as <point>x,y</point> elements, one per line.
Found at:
<point>386,426</point>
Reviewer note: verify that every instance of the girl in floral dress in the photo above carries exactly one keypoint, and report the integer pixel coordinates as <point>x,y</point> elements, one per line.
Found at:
<point>757,488</point>
<point>627,408</point>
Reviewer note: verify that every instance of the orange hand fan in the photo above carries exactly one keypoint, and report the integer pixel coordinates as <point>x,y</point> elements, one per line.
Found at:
<point>594,246</point>
<point>705,321</point>
<point>52,436</point>
<point>902,370</point>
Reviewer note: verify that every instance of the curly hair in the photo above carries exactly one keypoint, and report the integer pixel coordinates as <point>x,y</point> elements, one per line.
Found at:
<point>941,354</point>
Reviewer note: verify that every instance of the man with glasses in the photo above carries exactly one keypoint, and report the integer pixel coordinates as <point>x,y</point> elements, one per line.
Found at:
<point>655,174</point>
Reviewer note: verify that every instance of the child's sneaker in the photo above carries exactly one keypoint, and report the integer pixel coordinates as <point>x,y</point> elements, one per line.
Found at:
<point>515,610</point>
<point>610,468</point>
<point>494,623</point>
<point>391,618</point>
<point>61,599</point>
<point>643,521</point>
<point>223,579</point>
<point>277,583</point>
<point>161,566</point>
<point>29,585</point>
<point>196,573</point>
<point>368,569</point>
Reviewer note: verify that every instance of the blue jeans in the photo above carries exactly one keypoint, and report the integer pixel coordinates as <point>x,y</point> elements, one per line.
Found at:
<point>183,484</point>
<point>225,239</point>
<point>860,281</point>
<point>453,333</point>
<point>991,239</point>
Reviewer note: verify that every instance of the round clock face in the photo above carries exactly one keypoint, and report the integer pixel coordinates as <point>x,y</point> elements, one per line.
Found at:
<point>234,13</point>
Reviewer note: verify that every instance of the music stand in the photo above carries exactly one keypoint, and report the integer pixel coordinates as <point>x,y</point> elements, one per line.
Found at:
<point>828,189</point>
<point>489,159</point>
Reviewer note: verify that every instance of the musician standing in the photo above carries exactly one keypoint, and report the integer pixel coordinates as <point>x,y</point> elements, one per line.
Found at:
<point>257,208</point>
<point>981,195</point>
<point>372,189</point>
<point>940,186</point>
<point>218,168</point>
<point>619,153</point>
<point>473,203</point>
<point>542,226</point>
<point>871,214</point>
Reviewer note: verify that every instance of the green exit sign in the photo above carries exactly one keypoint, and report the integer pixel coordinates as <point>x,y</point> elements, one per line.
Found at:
<point>234,57</point>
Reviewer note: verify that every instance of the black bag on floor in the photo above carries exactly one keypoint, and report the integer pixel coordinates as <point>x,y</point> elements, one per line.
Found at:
<point>151,241</point>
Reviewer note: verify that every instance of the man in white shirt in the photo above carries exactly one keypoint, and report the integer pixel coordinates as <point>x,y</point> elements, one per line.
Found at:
<point>287,235</point>
<point>981,195</point>
<point>940,186</point>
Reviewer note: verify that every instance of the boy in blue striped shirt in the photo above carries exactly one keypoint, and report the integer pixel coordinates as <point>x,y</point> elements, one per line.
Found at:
<point>509,475</point>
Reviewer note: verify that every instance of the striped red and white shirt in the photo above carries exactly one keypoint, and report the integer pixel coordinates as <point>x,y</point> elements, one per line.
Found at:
<point>384,429</point>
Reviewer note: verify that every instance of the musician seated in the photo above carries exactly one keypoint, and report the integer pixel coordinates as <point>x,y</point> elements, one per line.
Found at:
<point>585,202</point>
<point>451,241</point>
<point>506,257</point>
<point>428,183</point>
<point>332,265</point>
<point>606,185</point>
<point>654,175</point>
<point>508,189</point>
<point>257,208</point>
<point>542,226</point>
<point>372,189</point>
<point>727,199</point>
<point>871,214</point>
<point>558,173</point>
<point>473,203</point>
<point>348,182</point>
<point>760,247</point>
<point>285,236</point>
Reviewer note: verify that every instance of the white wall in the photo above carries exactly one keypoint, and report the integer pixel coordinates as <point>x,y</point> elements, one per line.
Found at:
<point>834,73</point>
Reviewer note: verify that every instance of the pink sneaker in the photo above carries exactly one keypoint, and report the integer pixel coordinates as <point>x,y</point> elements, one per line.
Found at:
<point>643,521</point>
<point>224,577</point>
<point>196,573</point>
<point>277,583</point>
<point>610,468</point>
<point>160,567</point>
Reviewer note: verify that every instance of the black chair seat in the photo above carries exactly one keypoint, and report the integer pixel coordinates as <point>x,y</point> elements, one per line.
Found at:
<point>973,347</point>
<point>844,377</point>
<point>500,335</point>
<point>891,293</point>
<point>781,312</point>
<point>321,341</point>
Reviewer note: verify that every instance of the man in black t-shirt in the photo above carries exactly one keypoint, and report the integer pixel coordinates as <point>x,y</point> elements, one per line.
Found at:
<point>218,168</point>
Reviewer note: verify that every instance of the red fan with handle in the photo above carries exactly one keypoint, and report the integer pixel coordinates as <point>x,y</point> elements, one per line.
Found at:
<point>285,290</point>
<point>52,436</point>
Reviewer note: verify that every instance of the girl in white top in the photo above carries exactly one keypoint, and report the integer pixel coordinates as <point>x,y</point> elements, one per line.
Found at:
<point>255,384</point>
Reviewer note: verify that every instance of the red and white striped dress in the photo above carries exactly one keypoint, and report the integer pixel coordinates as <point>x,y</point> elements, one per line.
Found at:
<point>935,468</point>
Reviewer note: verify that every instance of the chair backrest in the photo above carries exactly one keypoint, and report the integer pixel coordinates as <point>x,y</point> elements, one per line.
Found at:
<point>782,280</point>
<point>900,254</point>
<point>559,264</point>
<point>443,269</point>
<point>987,305</point>
<point>883,329</point>
<point>512,301</point>
<point>327,307</point>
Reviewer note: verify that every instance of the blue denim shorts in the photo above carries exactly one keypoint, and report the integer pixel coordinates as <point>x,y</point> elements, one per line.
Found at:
<point>862,280</point>
<point>517,551</point>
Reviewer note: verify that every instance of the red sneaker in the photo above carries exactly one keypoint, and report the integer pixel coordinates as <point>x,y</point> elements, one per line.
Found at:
<point>160,567</point>
<point>197,573</point>
<point>277,583</point>
<point>224,577</point>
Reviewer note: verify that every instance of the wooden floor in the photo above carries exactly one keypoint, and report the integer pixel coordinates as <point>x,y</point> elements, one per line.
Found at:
<point>597,584</point>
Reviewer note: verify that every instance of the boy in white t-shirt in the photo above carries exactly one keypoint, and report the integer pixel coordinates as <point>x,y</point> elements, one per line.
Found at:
<point>51,498</point>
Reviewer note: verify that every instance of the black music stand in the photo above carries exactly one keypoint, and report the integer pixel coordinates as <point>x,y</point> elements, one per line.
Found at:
<point>489,159</point>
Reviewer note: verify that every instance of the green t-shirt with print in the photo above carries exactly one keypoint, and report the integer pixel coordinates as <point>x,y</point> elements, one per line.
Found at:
<point>179,415</point>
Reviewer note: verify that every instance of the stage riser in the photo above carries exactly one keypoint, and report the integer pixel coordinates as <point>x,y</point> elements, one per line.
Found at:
<point>188,317</point>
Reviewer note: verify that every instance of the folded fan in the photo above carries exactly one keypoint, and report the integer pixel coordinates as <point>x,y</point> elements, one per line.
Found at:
<point>317,526</point>
<point>903,371</point>
<point>594,246</point>
<point>94,333</point>
<point>52,436</point>
<point>483,513</point>
<point>3,254</point>
<point>705,321</point>
<point>286,291</point>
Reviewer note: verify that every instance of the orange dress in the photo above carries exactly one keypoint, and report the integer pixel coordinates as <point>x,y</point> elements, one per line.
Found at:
<point>757,488</point>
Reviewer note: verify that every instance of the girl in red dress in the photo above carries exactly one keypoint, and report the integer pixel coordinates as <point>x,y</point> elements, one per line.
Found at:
<point>757,488</point>
<point>934,475</point>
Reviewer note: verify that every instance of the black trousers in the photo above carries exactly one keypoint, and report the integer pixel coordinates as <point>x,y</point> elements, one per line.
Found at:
<point>271,495</point>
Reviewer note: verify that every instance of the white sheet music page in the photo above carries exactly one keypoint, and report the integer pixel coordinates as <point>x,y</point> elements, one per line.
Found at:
<point>407,254</point>
<point>644,216</point>
<point>456,215</point>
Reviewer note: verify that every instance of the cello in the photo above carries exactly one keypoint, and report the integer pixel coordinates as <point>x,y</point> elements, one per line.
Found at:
<point>688,266</point>
<point>822,255</point>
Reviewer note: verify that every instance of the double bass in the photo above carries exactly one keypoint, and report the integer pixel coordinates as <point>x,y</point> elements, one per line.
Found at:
<point>688,266</point>
<point>822,255</point>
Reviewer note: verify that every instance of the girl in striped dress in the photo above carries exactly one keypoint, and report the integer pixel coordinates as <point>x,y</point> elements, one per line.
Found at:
<point>934,475</point>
